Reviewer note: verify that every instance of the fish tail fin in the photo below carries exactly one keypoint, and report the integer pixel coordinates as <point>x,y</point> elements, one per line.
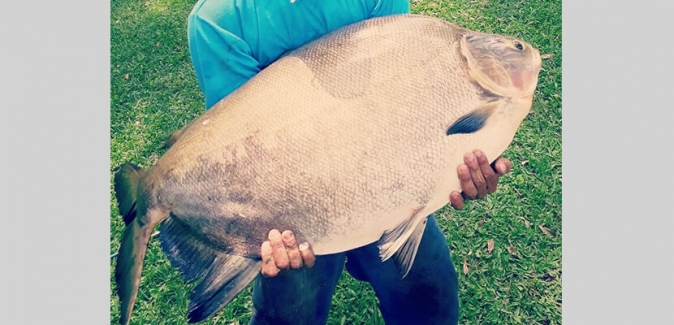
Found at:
<point>130,259</point>
<point>126,190</point>
<point>222,275</point>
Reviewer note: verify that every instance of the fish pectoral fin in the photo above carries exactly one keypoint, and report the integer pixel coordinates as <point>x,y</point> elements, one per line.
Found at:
<point>222,275</point>
<point>402,242</point>
<point>475,120</point>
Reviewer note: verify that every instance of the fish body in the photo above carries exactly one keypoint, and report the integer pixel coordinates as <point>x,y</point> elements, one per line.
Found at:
<point>351,139</point>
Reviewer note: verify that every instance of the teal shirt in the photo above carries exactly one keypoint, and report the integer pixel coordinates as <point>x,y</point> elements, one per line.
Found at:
<point>230,41</point>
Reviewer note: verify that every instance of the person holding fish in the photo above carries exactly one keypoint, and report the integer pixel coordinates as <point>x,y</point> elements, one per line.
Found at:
<point>229,43</point>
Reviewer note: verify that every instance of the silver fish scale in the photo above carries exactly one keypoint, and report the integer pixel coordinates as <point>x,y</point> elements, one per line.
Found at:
<point>339,141</point>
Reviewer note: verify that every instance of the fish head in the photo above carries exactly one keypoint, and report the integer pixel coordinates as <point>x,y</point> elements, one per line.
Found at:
<point>506,69</point>
<point>501,64</point>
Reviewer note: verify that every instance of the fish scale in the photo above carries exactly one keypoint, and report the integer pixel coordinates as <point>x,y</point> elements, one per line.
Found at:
<point>351,139</point>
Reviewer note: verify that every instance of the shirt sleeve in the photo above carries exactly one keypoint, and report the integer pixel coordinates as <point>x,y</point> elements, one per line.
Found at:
<point>390,7</point>
<point>222,61</point>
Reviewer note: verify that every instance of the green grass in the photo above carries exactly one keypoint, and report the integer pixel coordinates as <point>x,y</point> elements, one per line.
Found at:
<point>154,92</point>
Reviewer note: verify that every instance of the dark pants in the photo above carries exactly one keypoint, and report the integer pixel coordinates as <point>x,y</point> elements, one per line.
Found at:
<point>427,295</point>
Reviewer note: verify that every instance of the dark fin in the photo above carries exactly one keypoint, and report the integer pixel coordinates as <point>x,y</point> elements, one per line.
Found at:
<point>473,121</point>
<point>223,276</point>
<point>187,254</point>
<point>173,138</point>
<point>229,274</point>
<point>126,190</point>
<point>402,242</point>
<point>130,260</point>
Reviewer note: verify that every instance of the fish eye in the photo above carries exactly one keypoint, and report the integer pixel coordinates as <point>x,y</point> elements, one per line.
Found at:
<point>519,46</point>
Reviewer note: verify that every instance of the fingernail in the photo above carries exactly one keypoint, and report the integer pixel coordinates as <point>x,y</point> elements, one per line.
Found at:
<point>471,158</point>
<point>287,234</point>
<point>502,167</point>
<point>304,246</point>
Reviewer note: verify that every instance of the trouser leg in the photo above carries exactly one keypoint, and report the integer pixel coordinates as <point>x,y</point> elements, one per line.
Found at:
<point>429,293</point>
<point>297,296</point>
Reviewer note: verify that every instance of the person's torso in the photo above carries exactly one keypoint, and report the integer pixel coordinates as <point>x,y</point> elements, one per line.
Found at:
<point>273,27</point>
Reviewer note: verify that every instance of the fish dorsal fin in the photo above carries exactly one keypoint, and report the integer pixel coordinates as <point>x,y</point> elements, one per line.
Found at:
<point>222,275</point>
<point>173,138</point>
<point>402,241</point>
<point>475,120</point>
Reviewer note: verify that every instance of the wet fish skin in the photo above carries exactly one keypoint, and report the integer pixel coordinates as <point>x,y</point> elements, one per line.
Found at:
<point>351,139</point>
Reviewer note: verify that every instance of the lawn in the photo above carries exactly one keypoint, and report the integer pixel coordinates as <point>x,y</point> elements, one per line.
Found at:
<point>154,92</point>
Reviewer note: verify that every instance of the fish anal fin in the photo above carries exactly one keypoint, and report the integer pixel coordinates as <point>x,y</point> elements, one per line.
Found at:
<point>228,275</point>
<point>191,256</point>
<point>475,120</point>
<point>222,275</point>
<point>402,241</point>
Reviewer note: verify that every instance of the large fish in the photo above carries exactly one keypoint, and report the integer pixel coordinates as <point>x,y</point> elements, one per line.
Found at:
<point>351,139</point>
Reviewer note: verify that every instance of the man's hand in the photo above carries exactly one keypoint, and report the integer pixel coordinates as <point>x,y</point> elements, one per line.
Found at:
<point>281,252</point>
<point>477,177</point>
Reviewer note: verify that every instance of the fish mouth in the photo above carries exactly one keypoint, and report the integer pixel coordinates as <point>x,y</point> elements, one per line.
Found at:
<point>503,65</point>
<point>526,79</point>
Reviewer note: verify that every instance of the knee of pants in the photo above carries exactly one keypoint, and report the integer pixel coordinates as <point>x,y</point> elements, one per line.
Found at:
<point>297,296</point>
<point>429,292</point>
<point>423,304</point>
